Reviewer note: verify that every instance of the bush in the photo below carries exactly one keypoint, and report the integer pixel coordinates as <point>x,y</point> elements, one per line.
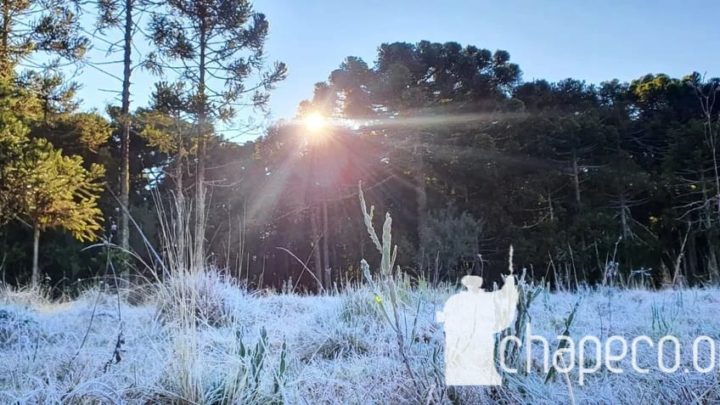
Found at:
<point>27,297</point>
<point>330,342</point>
<point>15,327</point>
<point>453,239</point>
<point>359,305</point>
<point>204,298</point>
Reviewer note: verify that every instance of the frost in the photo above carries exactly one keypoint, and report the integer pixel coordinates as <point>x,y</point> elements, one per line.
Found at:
<point>320,349</point>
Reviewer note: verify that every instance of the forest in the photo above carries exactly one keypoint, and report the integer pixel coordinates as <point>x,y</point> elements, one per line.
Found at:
<point>427,226</point>
<point>589,182</point>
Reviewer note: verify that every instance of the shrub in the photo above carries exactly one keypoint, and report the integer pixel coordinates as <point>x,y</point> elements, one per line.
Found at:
<point>359,304</point>
<point>202,298</point>
<point>452,238</point>
<point>15,327</point>
<point>329,342</point>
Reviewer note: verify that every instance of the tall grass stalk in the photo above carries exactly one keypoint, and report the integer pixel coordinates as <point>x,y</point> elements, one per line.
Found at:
<point>431,388</point>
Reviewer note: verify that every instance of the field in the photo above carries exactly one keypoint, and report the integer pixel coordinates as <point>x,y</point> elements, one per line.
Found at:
<point>205,339</point>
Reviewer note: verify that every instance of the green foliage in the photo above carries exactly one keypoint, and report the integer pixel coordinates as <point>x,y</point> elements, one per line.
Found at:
<point>573,174</point>
<point>55,94</point>
<point>40,186</point>
<point>453,239</point>
<point>426,74</point>
<point>57,191</point>
<point>13,144</point>
<point>166,133</point>
<point>221,46</point>
<point>92,130</point>
<point>579,177</point>
<point>48,26</point>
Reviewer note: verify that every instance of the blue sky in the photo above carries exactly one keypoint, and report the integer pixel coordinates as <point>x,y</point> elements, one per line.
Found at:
<point>549,39</point>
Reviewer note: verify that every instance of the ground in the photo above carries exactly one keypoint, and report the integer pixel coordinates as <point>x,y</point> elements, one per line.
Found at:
<point>238,347</point>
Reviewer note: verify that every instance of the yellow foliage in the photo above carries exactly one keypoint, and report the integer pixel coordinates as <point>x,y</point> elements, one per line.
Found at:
<point>57,191</point>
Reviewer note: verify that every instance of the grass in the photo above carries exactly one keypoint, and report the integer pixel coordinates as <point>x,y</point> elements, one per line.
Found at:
<point>199,337</point>
<point>318,349</point>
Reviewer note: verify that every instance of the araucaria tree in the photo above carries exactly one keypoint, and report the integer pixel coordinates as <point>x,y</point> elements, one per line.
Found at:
<point>219,48</point>
<point>120,14</point>
<point>40,186</point>
<point>56,192</point>
<point>28,26</point>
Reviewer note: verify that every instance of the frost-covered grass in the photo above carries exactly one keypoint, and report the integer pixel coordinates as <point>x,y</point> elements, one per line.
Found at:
<point>227,345</point>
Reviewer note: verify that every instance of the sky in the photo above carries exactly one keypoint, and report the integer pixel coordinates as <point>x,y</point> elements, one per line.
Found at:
<point>550,39</point>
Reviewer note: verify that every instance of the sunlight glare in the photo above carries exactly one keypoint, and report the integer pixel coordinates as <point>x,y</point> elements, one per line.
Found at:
<point>315,122</point>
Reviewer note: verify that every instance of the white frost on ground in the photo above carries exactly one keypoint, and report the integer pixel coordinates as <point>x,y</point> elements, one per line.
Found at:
<point>337,349</point>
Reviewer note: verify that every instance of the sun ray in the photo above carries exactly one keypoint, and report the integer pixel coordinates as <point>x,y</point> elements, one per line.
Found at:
<point>315,122</point>
<point>428,119</point>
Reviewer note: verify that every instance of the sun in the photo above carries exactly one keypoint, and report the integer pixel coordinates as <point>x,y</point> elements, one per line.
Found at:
<point>315,122</point>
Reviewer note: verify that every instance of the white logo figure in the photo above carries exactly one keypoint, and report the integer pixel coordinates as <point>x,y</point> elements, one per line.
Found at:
<point>471,320</point>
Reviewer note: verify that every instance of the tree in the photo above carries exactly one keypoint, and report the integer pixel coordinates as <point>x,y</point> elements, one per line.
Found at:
<point>51,190</point>
<point>165,129</point>
<point>28,26</point>
<point>60,123</point>
<point>220,46</point>
<point>39,185</point>
<point>422,96</point>
<point>56,95</point>
<point>707,94</point>
<point>18,108</point>
<point>13,141</point>
<point>110,16</point>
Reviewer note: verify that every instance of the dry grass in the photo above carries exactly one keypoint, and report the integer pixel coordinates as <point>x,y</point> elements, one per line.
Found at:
<point>318,349</point>
<point>198,337</point>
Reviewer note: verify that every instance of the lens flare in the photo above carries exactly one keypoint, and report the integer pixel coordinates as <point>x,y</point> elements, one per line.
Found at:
<point>315,122</point>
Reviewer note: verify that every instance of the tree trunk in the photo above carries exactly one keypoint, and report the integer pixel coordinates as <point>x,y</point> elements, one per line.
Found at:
<point>707,220</point>
<point>199,253</point>
<point>576,179</point>
<point>707,102</point>
<point>316,248</point>
<point>713,266</point>
<point>6,67</point>
<point>36,254</point>
<point>199,261</point>
<point>692,256</point>
<point>125,135</point>
<point>551,210</point>
<point>716,170</point>
<point>421,196</point>
<point>624,220</point>
<point>327,280</point>
<point>180,224</point>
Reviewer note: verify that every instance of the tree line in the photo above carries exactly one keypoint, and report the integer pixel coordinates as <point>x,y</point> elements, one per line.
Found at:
<point>84,173</point>
<point>614,182</point>
<point>599,183</point>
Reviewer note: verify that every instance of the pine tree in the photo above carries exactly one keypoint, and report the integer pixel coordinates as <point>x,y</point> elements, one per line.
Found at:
<point>57,192</point>
<point>44,188</point>
<point>48,26</point>
<point>120,14</point>
<point>220,46</point>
